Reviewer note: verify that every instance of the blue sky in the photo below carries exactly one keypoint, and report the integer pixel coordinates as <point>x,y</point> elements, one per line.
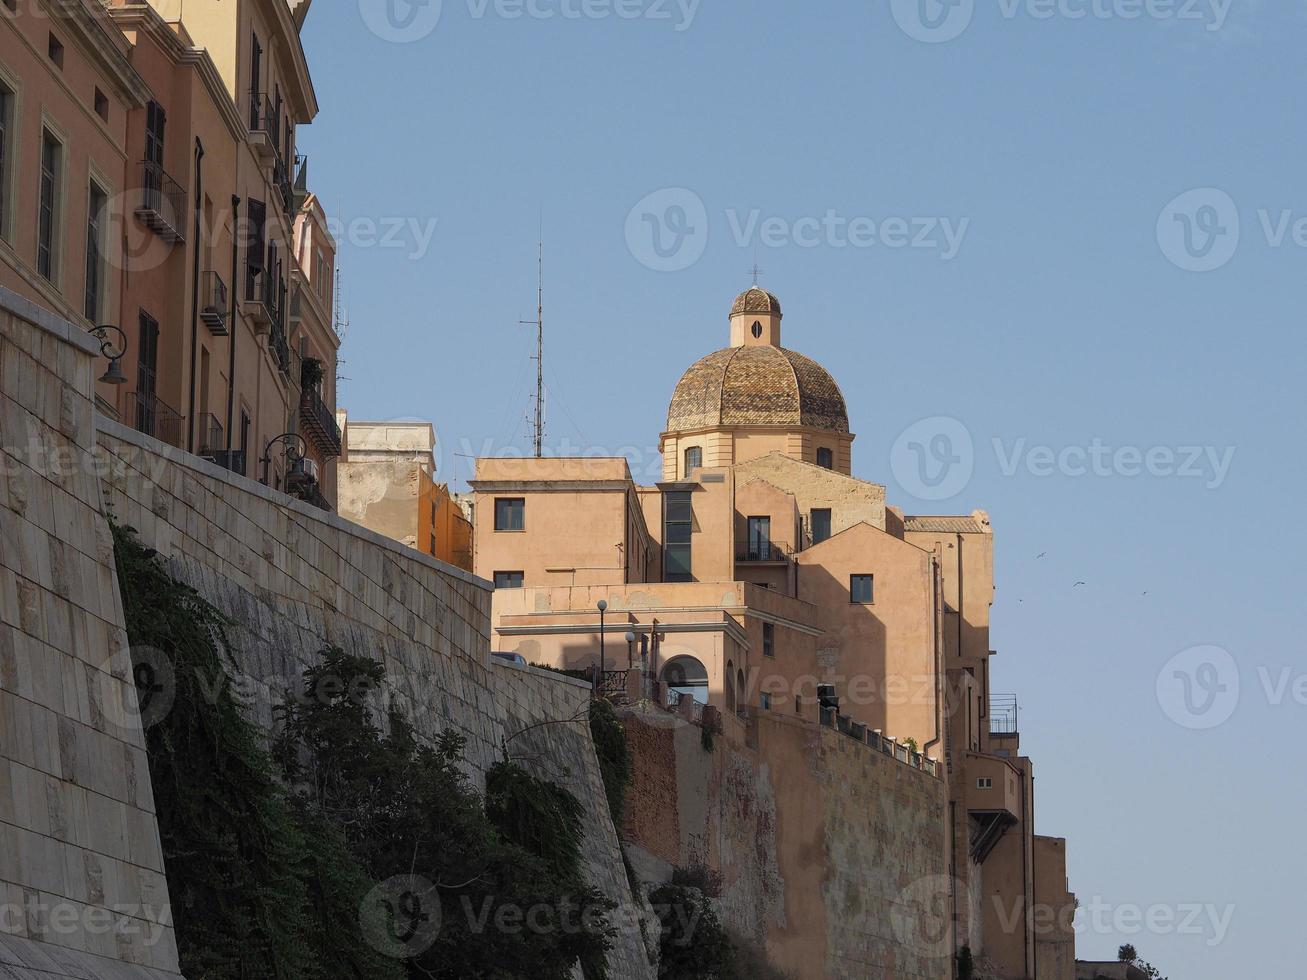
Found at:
<point>1065,315</point>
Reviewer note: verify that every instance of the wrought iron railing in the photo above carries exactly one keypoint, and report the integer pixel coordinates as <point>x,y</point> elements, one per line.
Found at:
<point>154,417</point>
<point>163,202</point>
<point>318,422</point>
<point>761,551</point>
<point>209,435</point>
<point>215,303</point>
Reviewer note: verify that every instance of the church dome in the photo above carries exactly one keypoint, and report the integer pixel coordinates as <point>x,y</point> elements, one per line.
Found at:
<point>761,385</point>
<point>756,300</point>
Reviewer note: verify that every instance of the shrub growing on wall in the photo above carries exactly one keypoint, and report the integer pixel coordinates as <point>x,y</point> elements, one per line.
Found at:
<point>614,754</point>
<point>256,888</point>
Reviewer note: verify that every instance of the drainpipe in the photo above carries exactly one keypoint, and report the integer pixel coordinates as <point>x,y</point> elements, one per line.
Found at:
<point>941,678</point>
<point>195,290</point>
<point>231,344</point>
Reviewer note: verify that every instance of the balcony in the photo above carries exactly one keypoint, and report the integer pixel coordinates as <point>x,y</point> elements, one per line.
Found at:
<point>318,423</point>
<point>759,552</point>
<point>163,203</point>
<point>150,415</point>
<point>215,304</point>
<point>209,436</point>
<point>993,800</point>
<point>265,128</point>
<point>1004,713</point>
<point>303,480</point>
<point>260,303</point>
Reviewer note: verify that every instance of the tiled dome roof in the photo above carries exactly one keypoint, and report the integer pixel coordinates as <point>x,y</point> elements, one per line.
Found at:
<point>760,385</point>
<point>756,300</point>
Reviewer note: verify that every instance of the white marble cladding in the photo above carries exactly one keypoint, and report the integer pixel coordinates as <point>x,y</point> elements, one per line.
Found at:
<point>81,871</point>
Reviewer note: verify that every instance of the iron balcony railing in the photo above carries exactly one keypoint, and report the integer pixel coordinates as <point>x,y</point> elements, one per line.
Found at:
<point>215,303</point>
<point>1004,714</point>
<point>261,296</point>
<point>156,418</point>
<point>760,551</point>
<point>279,346</point>
<point>209,435</point>
<point>265,122</point>
<point>318,423</point>
<point>163,203</point>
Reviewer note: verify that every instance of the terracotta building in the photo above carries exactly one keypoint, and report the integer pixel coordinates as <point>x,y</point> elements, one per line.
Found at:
<point>762,579</point>
<point>147,183</point>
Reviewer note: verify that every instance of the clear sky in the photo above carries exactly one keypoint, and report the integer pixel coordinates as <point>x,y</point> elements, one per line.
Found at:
<point>1049,283</point>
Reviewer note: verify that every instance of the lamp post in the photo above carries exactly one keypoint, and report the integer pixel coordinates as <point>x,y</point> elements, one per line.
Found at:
<point>630,649</point>
<point>113,374</point>
<point>296,449</point>
<point>599,677</point>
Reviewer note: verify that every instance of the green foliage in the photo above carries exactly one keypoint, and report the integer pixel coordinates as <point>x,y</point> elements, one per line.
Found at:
<point>1127,954</point>
<point>258,888</point>
<point>966,965</point>
<point>267,883</point>
<point>507,872</point>
<point>614,754</point>
<point>695,945</point>
<point>311,372</point>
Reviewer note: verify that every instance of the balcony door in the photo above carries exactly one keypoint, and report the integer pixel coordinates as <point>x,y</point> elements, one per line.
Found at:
<point>147,369</point>
<point>760,538</point>
<point>155,118</point>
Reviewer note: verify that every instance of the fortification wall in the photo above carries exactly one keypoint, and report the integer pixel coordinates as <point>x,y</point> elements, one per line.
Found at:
<point>293,579</point>
<point>82,890</point>
<point>832,854</point>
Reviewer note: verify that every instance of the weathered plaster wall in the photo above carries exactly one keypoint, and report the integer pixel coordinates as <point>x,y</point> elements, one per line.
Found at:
<point>294,579</point>
<point>82,890</point>
<point>831,852</point>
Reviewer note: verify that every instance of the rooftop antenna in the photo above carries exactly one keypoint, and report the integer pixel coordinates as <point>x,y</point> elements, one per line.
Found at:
<point>539,323</point>
<point>340,323</point>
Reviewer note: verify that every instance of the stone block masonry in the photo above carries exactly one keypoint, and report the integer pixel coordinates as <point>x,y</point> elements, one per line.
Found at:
<point>82,889</point>
<point>292,580</point>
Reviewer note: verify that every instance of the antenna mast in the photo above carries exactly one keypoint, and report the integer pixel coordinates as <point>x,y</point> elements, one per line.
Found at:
<point>539,323</point>
<point>340,324</point>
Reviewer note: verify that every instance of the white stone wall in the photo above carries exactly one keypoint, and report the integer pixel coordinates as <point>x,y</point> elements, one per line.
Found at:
<point>82,889</point>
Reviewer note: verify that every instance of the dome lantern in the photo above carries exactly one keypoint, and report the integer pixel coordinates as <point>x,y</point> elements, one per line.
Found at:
<point>756,319</point>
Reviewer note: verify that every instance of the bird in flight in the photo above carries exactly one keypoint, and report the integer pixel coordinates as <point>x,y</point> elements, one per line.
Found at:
<point>1078,584</point>
<point>1042,554</point>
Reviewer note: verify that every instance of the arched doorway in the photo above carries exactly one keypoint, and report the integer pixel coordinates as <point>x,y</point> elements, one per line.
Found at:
<point>686,675</point>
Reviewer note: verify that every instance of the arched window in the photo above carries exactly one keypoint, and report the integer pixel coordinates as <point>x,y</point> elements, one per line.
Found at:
<point>757,328</point>
<point>693,459</point>
<point>826,458</point>
<point>686,676</point>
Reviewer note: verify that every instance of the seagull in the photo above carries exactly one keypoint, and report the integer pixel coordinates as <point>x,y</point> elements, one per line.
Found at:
<point>1042,554</point>
<point>1078,584</point>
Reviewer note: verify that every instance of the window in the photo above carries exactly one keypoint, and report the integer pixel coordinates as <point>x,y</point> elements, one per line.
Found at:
<point>757,328</point>
<point>798,704</point>
<point>256,83</point>
<point>826,459</point>
<point>861,589</point>
<point>678,528</point>
<point>56,51</point>
<point>768,640</point>
<point>510,514</point>
<point>255,244</point>
<point>506,580</point>
<point>244,443</point>
<point>102,105</point>
<point>47,235</point>
<point>6,129</point>
<point>693,459</point>
<point>984,783</point>
<point>820,525</point>
<point>764,699</point>
<point>94,300</point>
<point>759,539</point>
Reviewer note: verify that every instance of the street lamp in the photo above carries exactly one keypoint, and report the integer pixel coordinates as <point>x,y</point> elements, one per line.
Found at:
<point>630,649</point>
<point>603,608</point>
<point>113,374</point>
<point>296,448</point>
